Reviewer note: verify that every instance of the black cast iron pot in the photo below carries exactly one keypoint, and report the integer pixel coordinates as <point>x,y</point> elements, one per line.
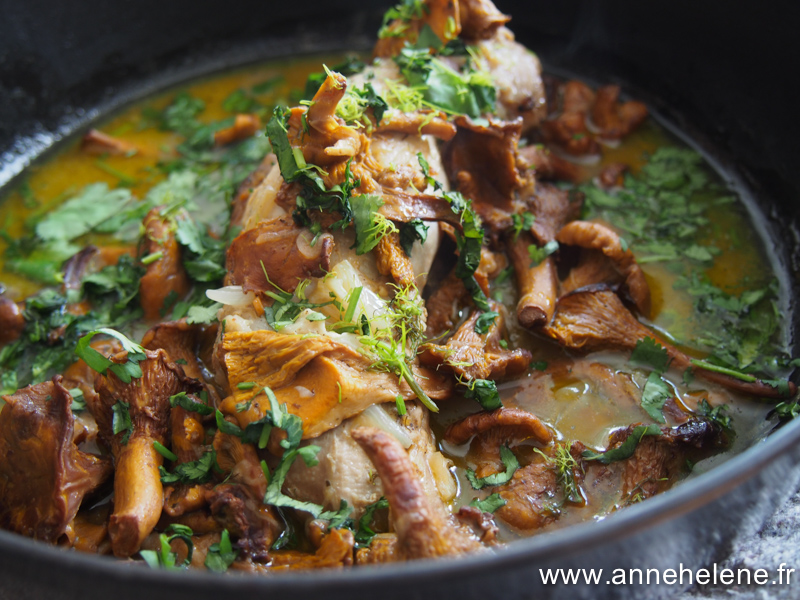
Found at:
<point>718,71</point>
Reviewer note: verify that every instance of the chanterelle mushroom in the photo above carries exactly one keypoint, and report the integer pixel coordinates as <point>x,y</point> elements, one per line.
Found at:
<point>138,493</point>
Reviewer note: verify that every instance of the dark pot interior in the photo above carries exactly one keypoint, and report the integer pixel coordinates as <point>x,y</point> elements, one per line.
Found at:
<point>716,71</point>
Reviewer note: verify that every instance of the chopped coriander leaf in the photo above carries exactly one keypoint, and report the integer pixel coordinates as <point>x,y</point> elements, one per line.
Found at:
<point>787,410</point>
<point>221,555</point>
<point>370,225</point>
<point>121,421</point>
<point>396,19</point>
<point>522,223</point>
<point>649,352</point>
<point>471,93</point>
<point>202,315</point>
<point>511,465</point>
<point>655,394</point>
<point>356,102</point>
<point>165,558</point>
<point>484,392</point>
<point>485,321</point>
<point>194,472</point>
<point>537,255</point>
<point>124,371</point>
<point>184,401</point>
<point>414,230</point>
<point>338,519</point>
<point>626,448</point>
<point>715,414</point>
<point>489,504</point>
<point>364,532</point>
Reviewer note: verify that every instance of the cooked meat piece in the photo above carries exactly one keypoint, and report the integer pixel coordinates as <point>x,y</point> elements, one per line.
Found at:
<point>165,275</point>
<point>422,530</point>
<point>604,261</point>
<point>616,120</point>
<point>477,356</point>
<point>191,344</point>
<point>43,475</point>
<point>346,473</point>
<point>517,76</point>
<point>530,497</point>
<point>548,166</point>
<point>537,284</point>
<point>99,143</point>
<point>596,319</point>
<point>12,321</point>
<point>612,175</point>
<point>248,187</point>
<point>280,249</point>
<point>417,123</point>
<point>552,208</point>
<point>480,19</point>
<point>138,493</point>
<point>252,524</point>
<point>244,126</point>
<point>481,160</point>
<point>320,380</point>
<point>444,305</point>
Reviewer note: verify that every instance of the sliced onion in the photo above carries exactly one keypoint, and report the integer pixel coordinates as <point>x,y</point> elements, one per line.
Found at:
<point>380,418</point>
<point>231,295</point>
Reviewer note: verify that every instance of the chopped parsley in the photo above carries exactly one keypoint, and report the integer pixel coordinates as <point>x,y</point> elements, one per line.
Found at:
<point>489,504</point>
<point>121,421</point>
<point>655,394</point>
<point>193,472</point>
<point>485,321</point>
<point>412,231</point>
<point>626,448</point>
<point>221,555</point>
<point>537,254</point>
<point>511,465</point>
<point>364,532</point>
<point>165,558</point>
<point>650,353</point>
<point>484,392</point>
